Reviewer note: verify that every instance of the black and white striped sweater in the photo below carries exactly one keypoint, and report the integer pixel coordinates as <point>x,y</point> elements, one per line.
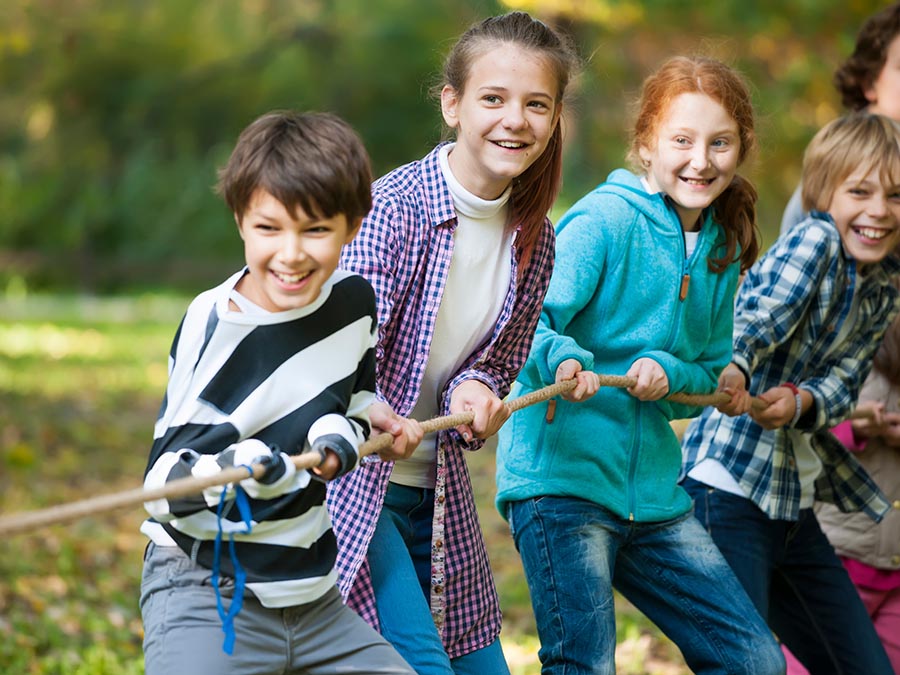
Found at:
<point>240,382</point>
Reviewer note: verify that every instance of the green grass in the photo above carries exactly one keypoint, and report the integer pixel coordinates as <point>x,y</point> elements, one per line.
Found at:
<point>80,384</point>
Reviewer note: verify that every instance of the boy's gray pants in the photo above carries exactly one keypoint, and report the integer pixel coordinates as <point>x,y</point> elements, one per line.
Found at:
<point>183,632</point>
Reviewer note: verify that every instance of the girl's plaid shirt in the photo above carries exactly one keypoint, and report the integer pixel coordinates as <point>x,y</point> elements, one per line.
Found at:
<point>404,249</point>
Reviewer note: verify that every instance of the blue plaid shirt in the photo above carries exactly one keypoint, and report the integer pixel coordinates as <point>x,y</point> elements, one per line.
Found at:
<point>789,313</point>
<point>404,249</point>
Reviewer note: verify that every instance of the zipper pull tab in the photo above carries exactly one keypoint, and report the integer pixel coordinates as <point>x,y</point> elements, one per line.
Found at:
<point>685,281</point>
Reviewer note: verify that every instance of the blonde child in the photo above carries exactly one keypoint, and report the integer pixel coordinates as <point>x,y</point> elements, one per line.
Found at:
<point>276,360</point>
<point>808,319</point>
<point>460,251</point>
<point>869,80</point>
<point>647,268</point>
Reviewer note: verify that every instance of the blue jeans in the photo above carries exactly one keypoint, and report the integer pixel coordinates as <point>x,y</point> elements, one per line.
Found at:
<point>574,552</point>
<point>796,581</point>
<point>400,563</point>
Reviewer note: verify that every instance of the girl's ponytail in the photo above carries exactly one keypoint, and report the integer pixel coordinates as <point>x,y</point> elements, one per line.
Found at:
<point>532,196</point>
<point>735,211</point>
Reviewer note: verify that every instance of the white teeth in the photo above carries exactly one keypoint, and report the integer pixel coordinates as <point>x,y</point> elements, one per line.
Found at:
<point>872,233</point>
<point>510,144</point>
<point>695,181</point>
<point>291,278</point>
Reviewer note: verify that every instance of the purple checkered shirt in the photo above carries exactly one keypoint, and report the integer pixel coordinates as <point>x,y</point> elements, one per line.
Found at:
<point>404,249</point>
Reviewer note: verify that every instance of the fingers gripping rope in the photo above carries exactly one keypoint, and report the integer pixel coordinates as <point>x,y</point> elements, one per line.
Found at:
<point>28,521</point>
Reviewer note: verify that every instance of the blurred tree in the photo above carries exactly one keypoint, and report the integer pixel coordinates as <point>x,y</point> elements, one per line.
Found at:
<point>788,51</point>
<point>119,113</point>
<point>116,114</point>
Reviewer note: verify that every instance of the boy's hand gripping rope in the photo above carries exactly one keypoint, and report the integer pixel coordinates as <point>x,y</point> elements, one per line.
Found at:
<point>22,522</point>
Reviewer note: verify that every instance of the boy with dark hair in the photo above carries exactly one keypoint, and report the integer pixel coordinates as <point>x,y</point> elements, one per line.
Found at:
<point>277,360</point>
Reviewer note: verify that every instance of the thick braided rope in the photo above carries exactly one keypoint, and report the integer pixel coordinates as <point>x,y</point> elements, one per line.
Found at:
<point>22,522</point>
<point>27,521</point>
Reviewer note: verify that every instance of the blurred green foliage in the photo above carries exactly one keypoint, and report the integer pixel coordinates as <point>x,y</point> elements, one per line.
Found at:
<point>115,113</point>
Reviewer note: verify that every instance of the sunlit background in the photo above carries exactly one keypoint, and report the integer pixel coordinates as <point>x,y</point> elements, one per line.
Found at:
<point>114,116</point>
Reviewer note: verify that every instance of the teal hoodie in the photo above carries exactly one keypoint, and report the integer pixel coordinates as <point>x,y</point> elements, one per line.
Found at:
<point>621,290</point>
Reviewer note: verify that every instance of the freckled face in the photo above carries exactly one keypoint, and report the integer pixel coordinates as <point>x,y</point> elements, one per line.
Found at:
<point>503,118</point>
<point>694,156</point>
<point>289,256</point>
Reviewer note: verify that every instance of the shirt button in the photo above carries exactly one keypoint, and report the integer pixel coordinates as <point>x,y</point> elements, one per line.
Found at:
<point>440,499</point>
<point>895,560</point>
<point>896,504</point>
<point>438,544</point>
<point>440,589</point>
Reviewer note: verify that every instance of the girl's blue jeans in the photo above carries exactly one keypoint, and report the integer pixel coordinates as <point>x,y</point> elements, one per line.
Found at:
<point>796,581</point>
<point>400,563</point>
<point>575,552</point>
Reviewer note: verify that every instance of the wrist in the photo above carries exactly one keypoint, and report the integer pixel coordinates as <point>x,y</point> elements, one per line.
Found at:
<point>745,374</point>
<point>798,402</point>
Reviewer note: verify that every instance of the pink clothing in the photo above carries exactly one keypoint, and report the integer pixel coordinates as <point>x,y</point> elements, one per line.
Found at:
<point>884,608</point>
<point>871,578</point>
<point>864,575</point>
<point>879,588</point>
<point>844,433</point>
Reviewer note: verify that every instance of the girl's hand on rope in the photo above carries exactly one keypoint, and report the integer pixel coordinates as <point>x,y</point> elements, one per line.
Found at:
<point>490,412</point>
<point>588,381</point>
<point>873,423</point>
<point>407,433</point>
<point>779,410</point>
<point>891,429</point>
<point>871,420</point>
<point>652,382</point>
<point>733,383</point>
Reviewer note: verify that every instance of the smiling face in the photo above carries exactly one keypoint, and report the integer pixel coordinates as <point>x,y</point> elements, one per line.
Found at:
<point>289,256</point>
<point>695,154</point>
<point>503,118</point>
<point>867,214</point>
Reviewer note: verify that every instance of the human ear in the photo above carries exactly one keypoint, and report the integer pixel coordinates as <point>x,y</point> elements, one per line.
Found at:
<point>869,92</point>
<point>449,104</point>
<point>645,154</point>
<point>240,227</point>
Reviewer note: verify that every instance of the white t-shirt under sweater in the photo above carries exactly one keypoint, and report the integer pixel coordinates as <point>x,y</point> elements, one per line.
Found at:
<point>477,285</point>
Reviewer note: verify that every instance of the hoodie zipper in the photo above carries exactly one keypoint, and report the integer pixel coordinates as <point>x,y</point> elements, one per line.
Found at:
<point>679,308</point>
